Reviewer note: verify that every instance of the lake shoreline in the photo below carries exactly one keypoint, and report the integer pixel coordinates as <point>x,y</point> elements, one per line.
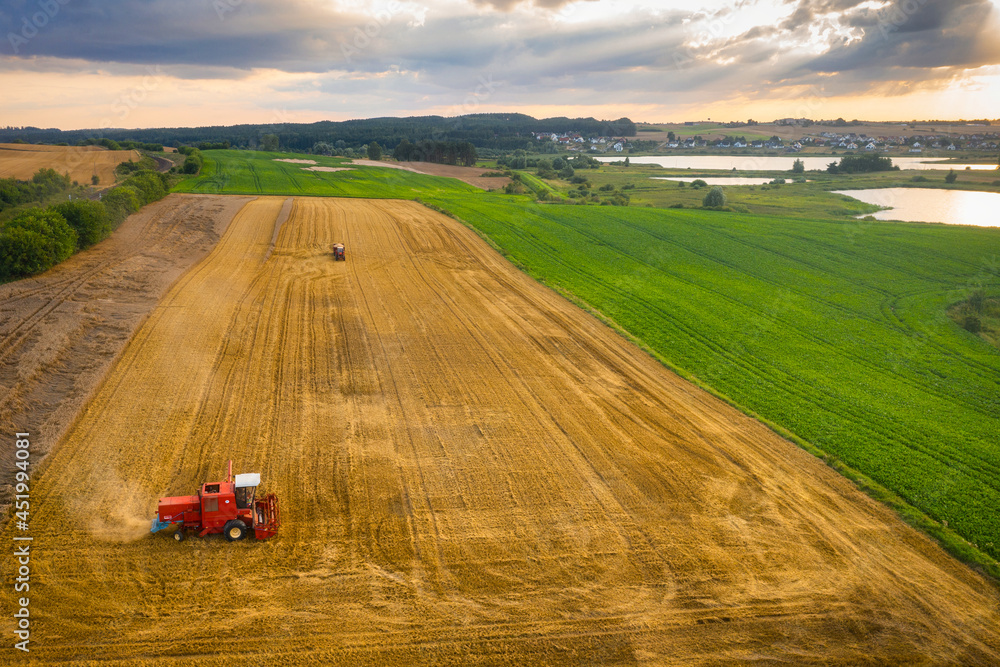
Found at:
<point>930,205</point>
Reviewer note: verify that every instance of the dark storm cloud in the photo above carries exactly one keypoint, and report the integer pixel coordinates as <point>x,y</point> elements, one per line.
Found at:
<point>233,33</point>
<point>917,35</point>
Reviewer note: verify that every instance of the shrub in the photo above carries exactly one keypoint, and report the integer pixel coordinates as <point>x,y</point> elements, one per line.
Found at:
<point>715,197</point>
<point>192,164</point>
<point>126,168</point>
<point>48,181</point>
<point>584,162</point>
<point>122,202</point>
<point>919,179</point>
<point>148,184</point>
<point>859,164</point>
<point>34,241</point>
<point>607,187</point>
<point>88,218</point>
<point>972,323</point>
<point>698,183</point>
<point>22,253</point>
<point>545,169</point>
<point>977,299</point>
<point>951,177</point>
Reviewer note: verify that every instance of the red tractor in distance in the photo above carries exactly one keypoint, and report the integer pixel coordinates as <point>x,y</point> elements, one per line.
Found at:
<point>228,507</point>
<point>338,252</point>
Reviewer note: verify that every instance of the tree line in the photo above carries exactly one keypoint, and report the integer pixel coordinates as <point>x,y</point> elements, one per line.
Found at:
<point>39,238</point>
<point>44,184</point>
<point>493,131</point>
<point>860,164</point>
<point>124,145</point>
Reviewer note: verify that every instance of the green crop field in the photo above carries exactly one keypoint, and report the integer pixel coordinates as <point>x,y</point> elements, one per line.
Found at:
<point>837,332</point>
<point>258,173</point>
<point>833,329</point>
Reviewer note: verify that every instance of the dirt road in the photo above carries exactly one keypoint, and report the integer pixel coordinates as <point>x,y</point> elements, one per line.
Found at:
<point>472,471</point>
<point>60,332</point>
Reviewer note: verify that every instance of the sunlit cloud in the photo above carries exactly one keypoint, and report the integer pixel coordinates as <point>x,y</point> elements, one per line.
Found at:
<point>326,59</point>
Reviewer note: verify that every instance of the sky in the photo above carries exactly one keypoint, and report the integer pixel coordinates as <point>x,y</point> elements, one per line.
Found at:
<point>76,64</point>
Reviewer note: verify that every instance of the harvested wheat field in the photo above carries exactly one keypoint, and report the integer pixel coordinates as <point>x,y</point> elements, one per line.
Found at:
<point>471,471</point>
<point>21,161</point>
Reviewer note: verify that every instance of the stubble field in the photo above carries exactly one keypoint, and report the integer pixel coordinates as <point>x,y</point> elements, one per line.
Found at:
<point>61,331</point>
<point>21,161</point>
<point>471,471</point>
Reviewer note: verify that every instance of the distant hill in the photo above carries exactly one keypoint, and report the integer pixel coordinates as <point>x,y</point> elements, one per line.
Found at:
<point>502,131</point>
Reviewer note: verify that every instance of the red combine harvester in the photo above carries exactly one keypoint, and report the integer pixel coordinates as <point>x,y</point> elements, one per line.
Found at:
<point>221,507</point>
<point>338,252</point>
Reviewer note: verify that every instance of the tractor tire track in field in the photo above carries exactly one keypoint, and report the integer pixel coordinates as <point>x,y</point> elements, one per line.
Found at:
<point>471,470</point>
<point>60,331</point>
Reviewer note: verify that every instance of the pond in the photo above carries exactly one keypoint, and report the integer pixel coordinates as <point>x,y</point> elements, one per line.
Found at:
<point>954,207</point>
<point>774,163</point>
<point>716,180</point>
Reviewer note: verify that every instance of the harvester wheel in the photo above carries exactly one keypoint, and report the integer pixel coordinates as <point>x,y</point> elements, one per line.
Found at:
<point>179,535</point>
<point>235,530</point>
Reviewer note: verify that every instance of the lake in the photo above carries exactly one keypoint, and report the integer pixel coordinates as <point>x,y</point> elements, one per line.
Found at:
<point>716,180</point>
<point>954,207</point>
<point>772,163</point>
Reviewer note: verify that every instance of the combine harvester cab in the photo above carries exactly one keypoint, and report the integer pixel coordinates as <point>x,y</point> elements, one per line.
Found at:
<point>228,507</point>
<point>338,252</point>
